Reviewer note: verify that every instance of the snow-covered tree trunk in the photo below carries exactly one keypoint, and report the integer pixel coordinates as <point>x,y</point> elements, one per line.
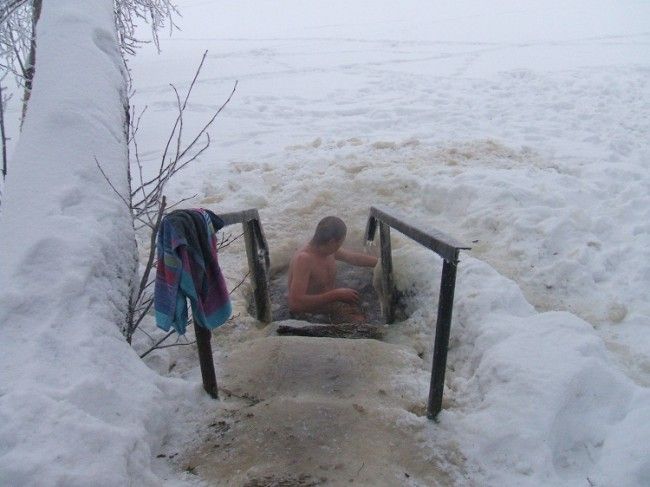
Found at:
<point>31,60</point>
<point>60,211</point>
<point>75,401</point>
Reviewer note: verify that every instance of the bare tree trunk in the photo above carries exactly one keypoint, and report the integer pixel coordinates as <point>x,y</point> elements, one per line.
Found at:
<point>31,61</point>
<point>2,135</point>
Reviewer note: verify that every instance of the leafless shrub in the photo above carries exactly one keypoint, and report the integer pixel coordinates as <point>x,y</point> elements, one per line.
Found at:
<point>18,19</point>
<point>3,136</point>
<point>147,202</point>
<point>157,13</point>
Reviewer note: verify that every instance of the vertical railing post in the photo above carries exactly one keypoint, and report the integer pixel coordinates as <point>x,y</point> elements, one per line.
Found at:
<point>206,361</point>
<point>258,271</point>
<point>441,343</point>
<point>387,283</point>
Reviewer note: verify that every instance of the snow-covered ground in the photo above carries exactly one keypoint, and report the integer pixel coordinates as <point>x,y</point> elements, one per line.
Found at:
<point>77,406</point>
<point>519,128</point>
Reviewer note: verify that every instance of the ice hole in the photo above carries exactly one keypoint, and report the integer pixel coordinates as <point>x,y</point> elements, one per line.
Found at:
<point>358,278</point>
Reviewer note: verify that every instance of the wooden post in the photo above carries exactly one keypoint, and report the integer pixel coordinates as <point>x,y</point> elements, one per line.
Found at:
<point>387,284</point>
<point>206,361</point>
<point>447,248</point>
<point>258,271</point>
<point>441,344</point>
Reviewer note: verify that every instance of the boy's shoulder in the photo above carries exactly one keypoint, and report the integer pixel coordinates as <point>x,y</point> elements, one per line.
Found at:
<point>302,256</point>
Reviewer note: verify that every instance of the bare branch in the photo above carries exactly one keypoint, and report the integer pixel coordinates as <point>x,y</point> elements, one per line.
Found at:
<point>152,249</point>
<point>183,201</point>
<point>3,137</point>
<point>128,205</point>
<point>147,211</point>
<point>9,8</point>
<point>207,125</point>
<point>158,343</point>
<point>240,283</point>
<point>228,240</point>
<point>177,344</point>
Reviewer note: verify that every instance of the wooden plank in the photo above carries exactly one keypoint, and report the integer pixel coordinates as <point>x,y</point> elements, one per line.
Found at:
<point>371,227</point>
<point>258,272</point>
<point>239,216</point>
<point>341,330</point>
<point>206,361</point>
<point>441,343</point>
<point>246,216</point>
<point>444,245</point>
<point>388,286</point>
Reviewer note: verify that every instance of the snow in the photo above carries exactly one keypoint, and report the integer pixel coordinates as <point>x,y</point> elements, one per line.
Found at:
<point>519,129</point>
<point>77,406</point>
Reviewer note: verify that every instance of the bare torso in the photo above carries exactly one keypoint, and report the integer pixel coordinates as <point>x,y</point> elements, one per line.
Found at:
<point>312,283</point>
<point>322,271</point>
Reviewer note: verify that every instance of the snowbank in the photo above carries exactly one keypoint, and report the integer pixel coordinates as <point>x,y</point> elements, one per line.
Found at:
<point>77,406</point>
<point>540,395</point>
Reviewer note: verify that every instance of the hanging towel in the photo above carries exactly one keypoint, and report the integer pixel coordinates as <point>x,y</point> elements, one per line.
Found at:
<point>187,267</point>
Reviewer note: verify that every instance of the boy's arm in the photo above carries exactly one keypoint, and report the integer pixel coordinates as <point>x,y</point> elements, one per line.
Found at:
<point>356,258</point>
<point>301,302</point>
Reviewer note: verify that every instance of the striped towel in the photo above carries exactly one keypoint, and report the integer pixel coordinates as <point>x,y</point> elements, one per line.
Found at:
<point>187,267</point>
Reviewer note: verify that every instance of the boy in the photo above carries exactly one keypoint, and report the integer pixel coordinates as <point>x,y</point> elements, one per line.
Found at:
<point>312,275</point>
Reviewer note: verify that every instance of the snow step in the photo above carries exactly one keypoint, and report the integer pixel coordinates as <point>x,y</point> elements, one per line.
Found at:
<point>304,442</point>
<point>331,368</point>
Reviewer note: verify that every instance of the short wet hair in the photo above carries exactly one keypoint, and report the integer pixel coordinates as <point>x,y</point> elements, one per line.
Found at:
<point>328,229</point>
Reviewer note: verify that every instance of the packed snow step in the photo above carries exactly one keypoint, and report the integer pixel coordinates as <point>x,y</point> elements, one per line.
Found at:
<point>327,410</point>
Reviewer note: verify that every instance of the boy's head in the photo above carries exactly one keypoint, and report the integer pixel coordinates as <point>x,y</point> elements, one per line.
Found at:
<point>330,232</point>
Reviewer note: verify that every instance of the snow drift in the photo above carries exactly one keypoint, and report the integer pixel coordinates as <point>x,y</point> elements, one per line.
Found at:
<point>76,403</point>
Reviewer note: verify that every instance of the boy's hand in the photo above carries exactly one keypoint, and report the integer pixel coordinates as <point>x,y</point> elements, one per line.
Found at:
<point>347,295</point>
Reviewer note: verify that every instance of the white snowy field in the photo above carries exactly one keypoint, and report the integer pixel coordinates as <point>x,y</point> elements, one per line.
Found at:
<point>520,128</point>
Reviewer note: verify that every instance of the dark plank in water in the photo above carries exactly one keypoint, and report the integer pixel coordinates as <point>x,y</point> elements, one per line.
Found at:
<point>343,330</point>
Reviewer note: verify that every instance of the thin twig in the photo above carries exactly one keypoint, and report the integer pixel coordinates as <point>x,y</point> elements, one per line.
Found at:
<point>229,240</point>
<point>148,210</point>
<point>158,343</point>
<point>142,315</point>
<point>111,184</point>
<point>143,331</point>
<point>179,139</point>
<point>176,344</point>
<point>152,248</point>
<point>180,115</point>
<point>240,283</point>
<point>205,127</point>
<point>2,134</point>
<point>183,201</point>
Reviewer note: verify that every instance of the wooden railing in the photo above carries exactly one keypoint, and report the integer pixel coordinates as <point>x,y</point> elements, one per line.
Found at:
<point>257,253</point>
<point>447,248</point>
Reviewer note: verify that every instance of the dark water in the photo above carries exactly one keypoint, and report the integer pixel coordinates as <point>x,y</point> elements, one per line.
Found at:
<point>359,278</point>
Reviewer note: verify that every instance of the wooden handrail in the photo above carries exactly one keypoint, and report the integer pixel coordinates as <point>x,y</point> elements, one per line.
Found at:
<point>257,253</point>
<point>442,244</point>
<point>447,248</point>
